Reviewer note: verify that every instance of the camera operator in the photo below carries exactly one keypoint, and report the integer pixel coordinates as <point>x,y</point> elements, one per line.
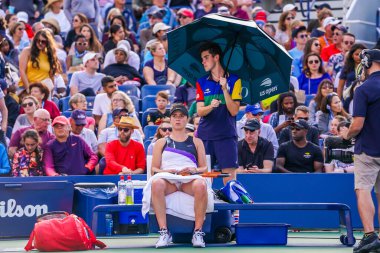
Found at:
<point>339,152</point>
<point>364,128</point>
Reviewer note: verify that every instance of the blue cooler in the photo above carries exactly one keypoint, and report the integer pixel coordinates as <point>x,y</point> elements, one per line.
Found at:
<point>262,234</point>
<point>133,222</point>
<point>89,195</point>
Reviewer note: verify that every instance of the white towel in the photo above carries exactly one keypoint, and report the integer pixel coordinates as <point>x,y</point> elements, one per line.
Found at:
<point>178,204</point>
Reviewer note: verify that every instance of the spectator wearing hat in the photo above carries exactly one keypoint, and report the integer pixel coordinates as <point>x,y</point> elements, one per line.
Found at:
<point>68,154</point>
<point>290,7</point>
<point>52,24</point>
<point>327,38</point>
<point>124,155</point>
<point>41,123</point>
<point>111,133</point>
<point>146,34</point>
<point>336,47</point>
<point>301,112</point>
<point>266,131</point>
<point>255,154</point>
<point>121,70</point>
<point>260,18</point>
<point>133,58</point>
<point>299,155</point>
<point>54,10</point>
<point>102,101</point>
<point>128,15</point>
<point>78,122</point>
<point>207,7</point>
<point>160,33</point>
<point>90,8</point>
<point>300,36</point>
<point>270,29</point>
<point>88,81</point>
<point>23,17</point>
<point>315,26</point>
<point>185,16</point>
<point>33,9</point>
<point>169,15</point>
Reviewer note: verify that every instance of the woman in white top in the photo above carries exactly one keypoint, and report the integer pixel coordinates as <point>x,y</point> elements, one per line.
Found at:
<point>54,10</point>
<point>30,105</point>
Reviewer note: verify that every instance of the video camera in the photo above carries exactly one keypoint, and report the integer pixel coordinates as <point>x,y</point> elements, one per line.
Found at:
<point>337,148</point>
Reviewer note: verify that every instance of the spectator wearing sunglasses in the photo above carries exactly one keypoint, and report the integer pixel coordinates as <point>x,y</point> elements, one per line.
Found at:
<point>68,154</point>
<point>324,88</point>
<point>301,112</point>
<point>185,16</point>
<point>30,105</point>
<point>299,155</point>
<point>336,46</point>
<point>284,31</point>
<point>336,61</point>
<point>300,37</point>
<point>124,155</point>
<point>74,61</point>
<point>163,131</point>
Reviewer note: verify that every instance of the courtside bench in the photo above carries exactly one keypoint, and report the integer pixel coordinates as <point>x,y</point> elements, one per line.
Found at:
<point>344,212</point>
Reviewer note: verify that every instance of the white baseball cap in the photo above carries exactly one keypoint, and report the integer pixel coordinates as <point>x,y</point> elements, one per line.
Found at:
<point>88,56</point>
<point>330,21</point>
<point>122,48</point>
<point>22,16</point>
<point>289,7</point>
<point>160,27</point>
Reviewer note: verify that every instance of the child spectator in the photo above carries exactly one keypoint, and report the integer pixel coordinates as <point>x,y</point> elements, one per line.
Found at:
<point>156,117</point>
<point>27,161</point>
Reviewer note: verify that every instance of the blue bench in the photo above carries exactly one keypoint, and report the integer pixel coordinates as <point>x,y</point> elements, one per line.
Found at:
<point>344,211</point>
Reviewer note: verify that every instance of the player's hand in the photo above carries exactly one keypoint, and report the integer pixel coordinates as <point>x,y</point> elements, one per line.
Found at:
<point>215,103</point>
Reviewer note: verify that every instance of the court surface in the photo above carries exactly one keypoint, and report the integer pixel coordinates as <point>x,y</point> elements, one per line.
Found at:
<point>305,242</point>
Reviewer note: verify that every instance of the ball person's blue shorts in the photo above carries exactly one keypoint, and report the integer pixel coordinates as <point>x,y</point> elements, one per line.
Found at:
<point>223,152</point>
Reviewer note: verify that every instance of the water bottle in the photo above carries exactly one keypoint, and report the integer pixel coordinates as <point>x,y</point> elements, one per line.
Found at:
<point>109,224</point>
<point>122,191</point>
<point>130,191</point>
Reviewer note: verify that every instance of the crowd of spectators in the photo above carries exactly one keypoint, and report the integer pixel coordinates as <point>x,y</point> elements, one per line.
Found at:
<point>71,72</point>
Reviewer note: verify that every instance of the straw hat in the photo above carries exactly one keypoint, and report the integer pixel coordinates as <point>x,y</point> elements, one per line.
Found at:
<point>53,22</point>
<point>50,2</point>
<point>126,121</point>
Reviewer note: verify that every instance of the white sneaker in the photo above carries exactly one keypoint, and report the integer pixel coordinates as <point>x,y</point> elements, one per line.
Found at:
<point>197,240</point>
<point>165,239</point>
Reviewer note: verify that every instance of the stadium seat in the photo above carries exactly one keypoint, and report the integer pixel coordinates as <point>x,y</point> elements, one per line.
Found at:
<point>68,113</point>
<point>9,132</point>
<point>64,104</point>
<point>308,99</point>
<point>90,102</point>
<point>150,131</point>
<point>147,90</point>
<point>149,102</point>
<point>146,145</point>
<point>130,90</point>
<point>136,103</point>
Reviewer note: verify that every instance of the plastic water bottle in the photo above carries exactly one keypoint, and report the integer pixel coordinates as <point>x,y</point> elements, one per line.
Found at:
<point>122,191</point>
<point>130,191</point>
<point>109,224</point>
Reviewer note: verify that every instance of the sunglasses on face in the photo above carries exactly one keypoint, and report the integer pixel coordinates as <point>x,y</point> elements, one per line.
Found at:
<point>27,104</point>
<point>81,43</point>
<point>181,16</point>
<point>330,87</point>
<point>348,42</point>
<point>303,36</point>
<point>125,130</point>
<point>21,29</point>
<point>289,18</point>
<point>76,20</point>
<point>313,61</point>
<point>42,42</point>
<point>317,44</point>
<point>165,129</point>
<point>336,34</point>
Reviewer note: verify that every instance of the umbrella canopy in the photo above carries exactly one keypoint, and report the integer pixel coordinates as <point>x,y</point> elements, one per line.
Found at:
<point>262,64</point>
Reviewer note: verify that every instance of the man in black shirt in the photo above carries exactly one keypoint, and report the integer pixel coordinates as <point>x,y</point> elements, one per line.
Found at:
<point>299,155</point>
<point>301,112</point>
<point>255,154</point>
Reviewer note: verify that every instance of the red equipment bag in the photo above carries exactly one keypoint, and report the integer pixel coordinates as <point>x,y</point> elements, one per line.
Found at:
<point>59,231</point>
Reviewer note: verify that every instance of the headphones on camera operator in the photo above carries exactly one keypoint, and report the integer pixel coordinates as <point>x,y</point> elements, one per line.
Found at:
<point>368,56</point>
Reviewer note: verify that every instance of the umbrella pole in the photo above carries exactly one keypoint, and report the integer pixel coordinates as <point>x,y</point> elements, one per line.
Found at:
<point>229,58</point>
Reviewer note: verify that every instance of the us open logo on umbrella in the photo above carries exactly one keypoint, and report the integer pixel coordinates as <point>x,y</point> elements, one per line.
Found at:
<point>266,82</point>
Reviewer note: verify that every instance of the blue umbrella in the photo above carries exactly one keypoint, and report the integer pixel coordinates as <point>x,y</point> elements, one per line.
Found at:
<point>262,64</point>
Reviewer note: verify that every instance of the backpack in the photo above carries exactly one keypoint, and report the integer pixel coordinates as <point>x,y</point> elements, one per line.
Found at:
<point>59,231</point>
<point>235,193</point>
